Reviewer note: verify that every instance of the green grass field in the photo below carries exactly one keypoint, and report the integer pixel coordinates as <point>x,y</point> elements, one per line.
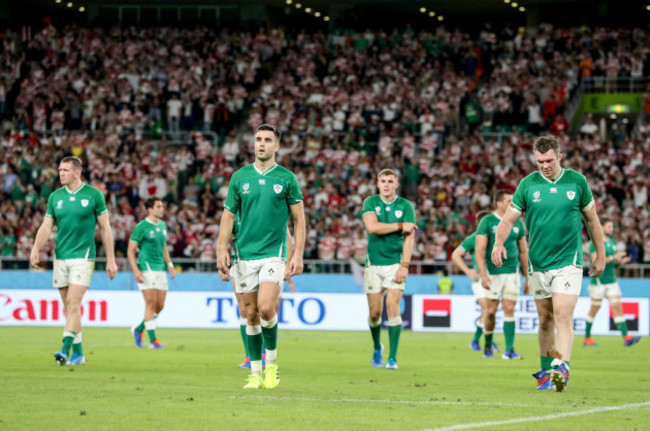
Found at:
<point>326,383</point>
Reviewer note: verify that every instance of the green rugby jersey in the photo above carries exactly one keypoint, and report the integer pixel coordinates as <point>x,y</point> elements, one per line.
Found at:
<point>488,228</point>
<point>609,274</point>
<point>553,217</point>
<point>151,239</point>
<point>75,216</point>
<point>262,200</point>
<point>387,249</point>
<point>469,245</point>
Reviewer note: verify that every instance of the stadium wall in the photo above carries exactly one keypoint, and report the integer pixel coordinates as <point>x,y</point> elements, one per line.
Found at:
<point>307,283</point>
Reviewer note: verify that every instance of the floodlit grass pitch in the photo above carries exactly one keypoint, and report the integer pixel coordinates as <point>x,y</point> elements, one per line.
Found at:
<point>326,383</point>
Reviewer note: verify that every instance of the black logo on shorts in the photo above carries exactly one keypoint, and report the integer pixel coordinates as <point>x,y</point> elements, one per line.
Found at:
<point>567,285</point>
<point>271,271</point>
<point>242,285</point>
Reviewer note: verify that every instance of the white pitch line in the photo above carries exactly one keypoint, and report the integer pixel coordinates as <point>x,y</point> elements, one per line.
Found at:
<point>355,400</point>
<point>541,418</point>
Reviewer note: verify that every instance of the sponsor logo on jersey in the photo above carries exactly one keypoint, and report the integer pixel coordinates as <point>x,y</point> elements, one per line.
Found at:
<point>536,196</point>
<point>571,195</point>
<point>157,229</point>
<point>553,189</point>
<point>398,213</point>
<point>59,204</point>
<point>164,232</point>
<point>151,234</point>
<point>277,188</point>
<point>387,208</point>
<point>72,198</point>
<point>516,229</point>
<point>262,181</point>
<point>246,186</point>
<point>84,203</point>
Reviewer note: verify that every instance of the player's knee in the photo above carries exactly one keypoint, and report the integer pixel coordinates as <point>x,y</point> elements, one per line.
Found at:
<point>595,303</point>
<point>159,307</point>
<point>267,311</point>
<point>374,315</point>
<point>614,299</point>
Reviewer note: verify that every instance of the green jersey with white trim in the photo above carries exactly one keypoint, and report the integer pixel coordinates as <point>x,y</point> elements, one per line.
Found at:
<point>75,216</point>
<point>553,217</point>
<point>488,228</point>
<point>262,200</point>
<point>387,249</point>
<point>609,274</point>
<point>151,239</point>
<point>469,246</point>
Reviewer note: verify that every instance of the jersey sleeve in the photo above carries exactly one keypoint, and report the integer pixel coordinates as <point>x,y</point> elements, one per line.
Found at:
<point>294,194</point>
<point>233,199</point>
<point>136,235</point>
<point>519,198</point>
<point>367,207</point>
<point>100,204</point>
<point>49,212</point>
<point>587,198</point>
<point>469,243</point>
<point>409,215</point>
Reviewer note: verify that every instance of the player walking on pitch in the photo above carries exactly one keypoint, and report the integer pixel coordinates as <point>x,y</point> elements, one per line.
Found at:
<point>501,282</point>
<point>150,235</point>
<point>390,222</point>
<point>553,199</point>
<point>607,286</point>
<point>75,209</point>
<point>264,194</point>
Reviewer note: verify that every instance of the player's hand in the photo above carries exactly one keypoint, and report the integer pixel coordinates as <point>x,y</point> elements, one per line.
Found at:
<point>486,282</point>
<point>139,276</point>
<point>295,265</point>
<point>498,255</point>
<point>172,272</point>
<point>409,228</point>
<point>624,260</point>
<point>473,275</point>
<point>111,269</point>
<point>223,266</point>
<point>34,259</point>
<point>598,267</point>
<point>526,289</point>
<point>401,274</point>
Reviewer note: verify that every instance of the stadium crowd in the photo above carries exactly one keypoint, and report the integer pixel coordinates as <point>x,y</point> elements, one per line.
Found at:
<point>349,104</point>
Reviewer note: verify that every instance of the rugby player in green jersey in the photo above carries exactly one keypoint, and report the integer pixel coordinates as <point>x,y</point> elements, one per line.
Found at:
<point>503,282</point>
<point>150,271</point>
<point>554,200</point>
<point>607,286</point>
<point>468,245</point>
<point>390,222</point>
<point>264,194</point>
<point>75,209</point>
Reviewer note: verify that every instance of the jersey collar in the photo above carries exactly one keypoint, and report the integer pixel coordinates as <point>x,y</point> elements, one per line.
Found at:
<point>497,215</point>
<point>266,171</point>
<point>390,202</point>
<point>74,192</point>
<point>155,224</point>
<point>555,180</point>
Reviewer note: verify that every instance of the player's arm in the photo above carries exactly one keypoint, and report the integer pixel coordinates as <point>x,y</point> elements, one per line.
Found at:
<point>41,237</point>
<point>407,252</point>
<point>596,234</point>
<point>287,275</point>
<point>130,255</point>
<point>503,230</point>
<point>479,256</point>
<point>107,240</point>
<point>225,234</point>
<point>522,244</point>
<point>299,232</point>
<point>457,258</point>
<point>168,262</point>
<point>375,227</point>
